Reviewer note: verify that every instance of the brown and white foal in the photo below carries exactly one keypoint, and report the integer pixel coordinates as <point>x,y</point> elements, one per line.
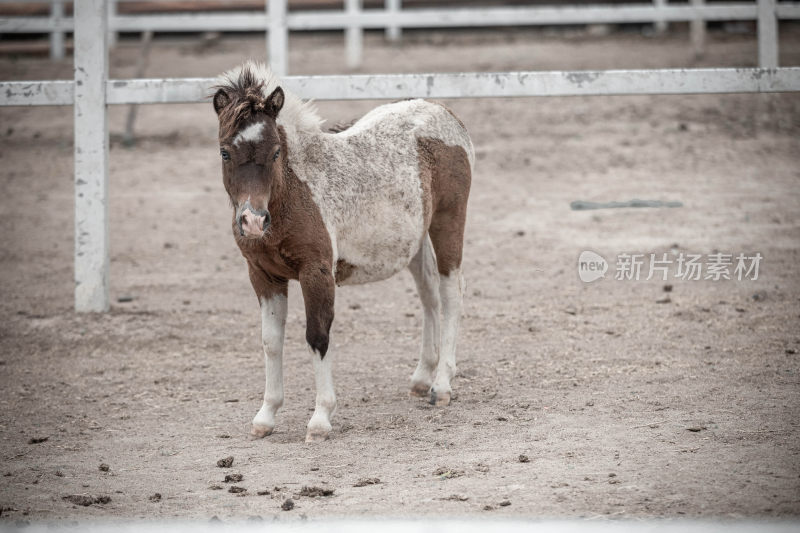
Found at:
<point>388,193</point>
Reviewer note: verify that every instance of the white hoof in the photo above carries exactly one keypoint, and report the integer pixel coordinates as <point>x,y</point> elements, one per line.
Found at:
<point>439,398</point>
<point>259,432</point>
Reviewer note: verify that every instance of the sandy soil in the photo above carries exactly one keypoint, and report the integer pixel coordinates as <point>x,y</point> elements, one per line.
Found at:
<point>624,406</point>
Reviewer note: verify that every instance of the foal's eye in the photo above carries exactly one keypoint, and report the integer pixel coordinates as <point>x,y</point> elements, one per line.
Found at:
<point>277,153</point>
<point>225,155</point>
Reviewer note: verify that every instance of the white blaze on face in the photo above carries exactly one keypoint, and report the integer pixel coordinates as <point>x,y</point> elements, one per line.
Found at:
<point>251,133</point>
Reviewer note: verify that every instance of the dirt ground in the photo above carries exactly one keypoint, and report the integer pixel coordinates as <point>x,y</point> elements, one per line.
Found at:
<point>624,406</point>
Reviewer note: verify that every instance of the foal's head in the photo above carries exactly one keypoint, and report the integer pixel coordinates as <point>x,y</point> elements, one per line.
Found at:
<point>250,148</point>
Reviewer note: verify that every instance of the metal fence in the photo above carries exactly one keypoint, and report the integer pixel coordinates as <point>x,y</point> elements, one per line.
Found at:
<point>277,21</point>
<point>92,91</point>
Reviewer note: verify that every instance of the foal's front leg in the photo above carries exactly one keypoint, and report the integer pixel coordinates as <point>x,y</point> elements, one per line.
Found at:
<point>272,299</point>
<point>319,289</point>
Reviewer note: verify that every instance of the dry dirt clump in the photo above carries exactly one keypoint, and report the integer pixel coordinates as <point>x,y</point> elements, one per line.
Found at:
<point>86,500</point>
<point>444,472</point>
<point>363,482</point>
<point>315,492</point>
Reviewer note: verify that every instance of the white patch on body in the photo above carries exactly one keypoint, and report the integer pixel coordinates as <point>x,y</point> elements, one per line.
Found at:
<point>273,323</point>
<point>251,133</point>
<point>366,182</point>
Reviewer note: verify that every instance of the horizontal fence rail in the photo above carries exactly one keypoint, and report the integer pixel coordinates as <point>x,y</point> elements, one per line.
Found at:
<point>439,85</point>
<point>277,21</point>
<point>413,18</point>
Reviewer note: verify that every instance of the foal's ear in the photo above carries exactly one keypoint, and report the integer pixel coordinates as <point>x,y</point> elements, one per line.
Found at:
<point>221,99</point>
<point>275,102</point>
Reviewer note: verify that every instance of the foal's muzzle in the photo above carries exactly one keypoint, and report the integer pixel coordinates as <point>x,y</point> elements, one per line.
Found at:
<point>252,222</point>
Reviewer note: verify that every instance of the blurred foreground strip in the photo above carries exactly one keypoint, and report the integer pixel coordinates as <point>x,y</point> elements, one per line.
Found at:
<point>473,525</point>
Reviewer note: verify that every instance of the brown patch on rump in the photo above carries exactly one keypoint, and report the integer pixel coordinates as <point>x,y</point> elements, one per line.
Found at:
<point>446,177</point>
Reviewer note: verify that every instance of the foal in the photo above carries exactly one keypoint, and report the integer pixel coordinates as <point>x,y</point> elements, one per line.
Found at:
<point>388,193</point>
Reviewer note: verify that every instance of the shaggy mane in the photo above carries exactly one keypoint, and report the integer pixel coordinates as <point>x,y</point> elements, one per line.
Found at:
<point>248,85</point>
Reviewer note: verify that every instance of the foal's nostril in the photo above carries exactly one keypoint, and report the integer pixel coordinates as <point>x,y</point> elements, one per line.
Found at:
<point>253,223</point>
<point>267,220</point>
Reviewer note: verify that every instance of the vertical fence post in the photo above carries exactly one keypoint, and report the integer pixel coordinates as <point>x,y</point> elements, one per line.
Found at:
<point>697,29</point>
<point>354,35</point>
<point>660,24</point>
<point>91,156</point>
<point>277,37</point>
<point>57,34</point>
<point>112,32</point>
<point>767,34</point>
<point>393,31</point>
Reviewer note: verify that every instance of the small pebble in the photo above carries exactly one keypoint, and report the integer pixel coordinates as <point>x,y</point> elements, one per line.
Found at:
<point>287,505</point>
<point>524,459</point>
<point>225,462</point>
<point>367,481</point>
<point>103,467</point>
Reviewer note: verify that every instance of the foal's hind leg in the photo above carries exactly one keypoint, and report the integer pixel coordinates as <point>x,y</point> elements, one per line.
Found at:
<point>423,268</point>
<point>450,185</point>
